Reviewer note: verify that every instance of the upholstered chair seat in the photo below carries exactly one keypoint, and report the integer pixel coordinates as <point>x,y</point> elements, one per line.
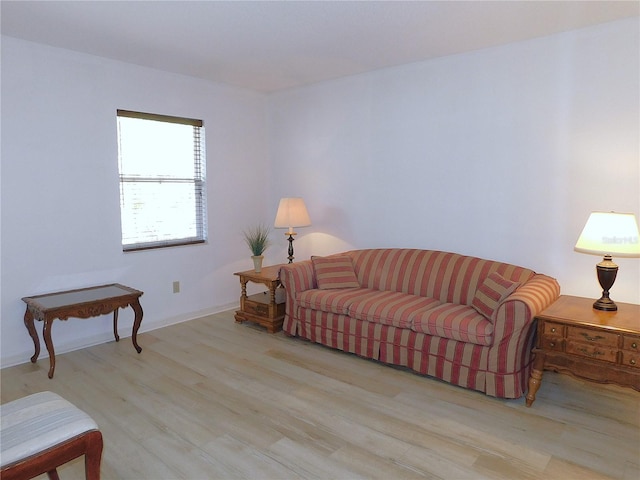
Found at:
<point>43,431</point>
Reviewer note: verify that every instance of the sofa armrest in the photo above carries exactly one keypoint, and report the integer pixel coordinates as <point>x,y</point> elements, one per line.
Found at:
<point>514,330</point>
<point>537,294</point>
<point>295,278</point>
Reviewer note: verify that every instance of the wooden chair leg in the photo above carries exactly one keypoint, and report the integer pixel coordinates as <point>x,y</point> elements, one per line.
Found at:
<point>93,455</point>
<point>53,474</point>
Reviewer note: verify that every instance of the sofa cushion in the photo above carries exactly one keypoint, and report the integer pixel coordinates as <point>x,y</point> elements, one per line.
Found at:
<point>333,301</point>
<point>389,308</point>
<point>457,322</point>
<point>335,272</point>
<point>491,292</point>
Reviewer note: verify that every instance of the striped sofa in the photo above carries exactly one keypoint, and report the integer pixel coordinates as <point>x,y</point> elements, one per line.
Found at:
<point>464,320</point>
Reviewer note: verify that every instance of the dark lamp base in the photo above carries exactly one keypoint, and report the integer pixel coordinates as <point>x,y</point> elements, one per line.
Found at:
<point>291,239</point>
<point>605,304</point>
<point>607,271</point>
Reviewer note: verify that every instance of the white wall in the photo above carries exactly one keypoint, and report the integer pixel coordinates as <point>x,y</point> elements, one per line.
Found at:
<point>500,153</point>
<point>60,192</point>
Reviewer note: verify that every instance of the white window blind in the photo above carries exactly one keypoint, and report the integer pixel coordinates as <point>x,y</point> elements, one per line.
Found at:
<point>162,180</point>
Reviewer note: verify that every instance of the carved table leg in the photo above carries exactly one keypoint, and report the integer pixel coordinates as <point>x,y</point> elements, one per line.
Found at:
<point>28,322</point>
<point>243,286</point>
<point>272,294</point>
<point>115,325</point>
<point>137,308</point>
<point>243,296</point>
<point>46,333</point>
<point>536,378</point>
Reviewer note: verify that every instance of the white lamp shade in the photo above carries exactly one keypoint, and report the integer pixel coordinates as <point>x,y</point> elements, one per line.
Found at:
<point>610,233</point>
<point>292,212</point>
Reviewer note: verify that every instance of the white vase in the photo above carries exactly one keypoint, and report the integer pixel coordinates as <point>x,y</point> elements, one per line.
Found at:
<point>257,262</point>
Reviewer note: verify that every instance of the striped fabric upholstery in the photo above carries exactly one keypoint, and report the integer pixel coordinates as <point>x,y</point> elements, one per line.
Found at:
<point>334,272</point>
<point>389,308</point>
<point>509,362</point>
<point>341,332</point>
<point>491,292</point>
<point>37,422</point>
<point>447,277</point>
<point>457,322</point>
<point>457,345</point>
<point>296,278</point>
<point>455,362</point>
<point>334,301</point>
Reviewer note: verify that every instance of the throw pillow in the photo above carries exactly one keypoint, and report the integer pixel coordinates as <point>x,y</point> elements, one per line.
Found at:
<point>334,272</point>
<point>493,290</point>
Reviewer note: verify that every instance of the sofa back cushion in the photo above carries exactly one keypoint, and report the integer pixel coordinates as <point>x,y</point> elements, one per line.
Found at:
<point>448,277</point>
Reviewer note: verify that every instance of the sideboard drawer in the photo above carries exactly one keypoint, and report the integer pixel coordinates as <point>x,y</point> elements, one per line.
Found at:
<point>631,359</point>
<point>597,352</point>
<point>555,344</point>
<point>631,343</point>
<point>554,329</point>
<point>598,337</point>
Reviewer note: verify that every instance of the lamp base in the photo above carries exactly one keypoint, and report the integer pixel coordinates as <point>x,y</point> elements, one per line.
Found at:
<point>291,239</point>
<point>605,304</point>
<point>607,271</point>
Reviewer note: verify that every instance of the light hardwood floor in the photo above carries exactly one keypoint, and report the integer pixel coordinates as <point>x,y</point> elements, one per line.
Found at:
<point>212,399</point>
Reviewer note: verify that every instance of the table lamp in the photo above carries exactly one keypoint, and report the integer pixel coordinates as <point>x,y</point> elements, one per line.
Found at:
<point>609,233</point>
<point>292,213</point>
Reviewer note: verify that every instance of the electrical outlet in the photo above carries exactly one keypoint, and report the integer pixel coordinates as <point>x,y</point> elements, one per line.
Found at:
<point>176,287</point>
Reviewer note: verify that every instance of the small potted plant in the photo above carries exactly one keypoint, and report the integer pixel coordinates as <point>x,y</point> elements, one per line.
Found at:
<point>257,240</point>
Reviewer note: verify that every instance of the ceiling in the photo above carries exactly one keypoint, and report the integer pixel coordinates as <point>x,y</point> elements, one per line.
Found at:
<point>273,45</point>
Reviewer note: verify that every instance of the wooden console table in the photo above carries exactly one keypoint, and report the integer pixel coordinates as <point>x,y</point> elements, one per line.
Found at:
<point>595,345</point>
<point>81,303</point>
<point>262,308</point>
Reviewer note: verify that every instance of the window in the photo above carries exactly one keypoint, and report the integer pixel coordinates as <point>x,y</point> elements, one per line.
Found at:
<point>162,180</point>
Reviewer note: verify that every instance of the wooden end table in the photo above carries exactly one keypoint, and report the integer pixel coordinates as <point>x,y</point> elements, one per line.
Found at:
<point>591,344</point>
<point>262,308</point>
<point>81,303</point>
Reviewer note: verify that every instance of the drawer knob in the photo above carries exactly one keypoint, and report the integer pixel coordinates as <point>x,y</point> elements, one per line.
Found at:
<point>552,344</point>
<point>632,361</point>
<point>553,329</point>
<point>634,345</point>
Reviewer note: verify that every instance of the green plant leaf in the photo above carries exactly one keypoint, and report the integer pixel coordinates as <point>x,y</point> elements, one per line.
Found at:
<point>257,239</point>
